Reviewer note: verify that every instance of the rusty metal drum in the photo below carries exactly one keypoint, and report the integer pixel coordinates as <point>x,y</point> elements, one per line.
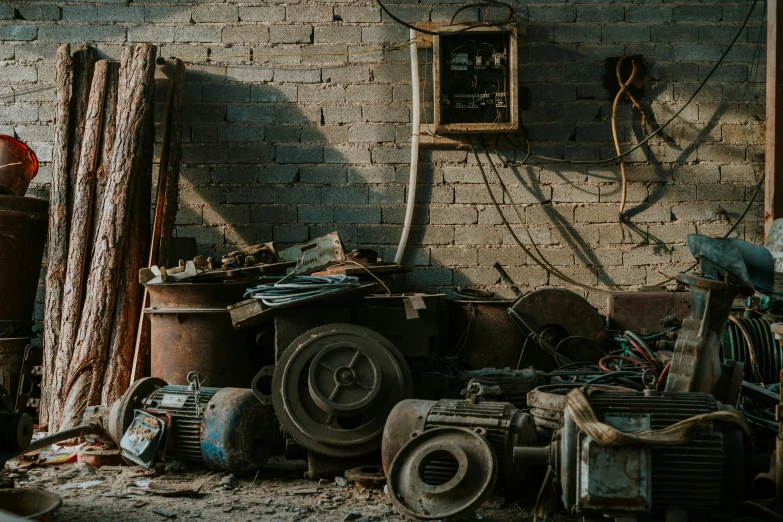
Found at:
<point>23,227</point>
<point>191,330</point>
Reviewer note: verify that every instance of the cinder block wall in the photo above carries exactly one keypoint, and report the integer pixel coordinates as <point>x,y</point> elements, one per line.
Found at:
<point>292,132</point>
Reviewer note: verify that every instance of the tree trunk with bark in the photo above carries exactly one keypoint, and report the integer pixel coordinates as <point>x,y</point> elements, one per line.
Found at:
<point>85,377</point>
<point>58,226</point>
<point>80,230</point>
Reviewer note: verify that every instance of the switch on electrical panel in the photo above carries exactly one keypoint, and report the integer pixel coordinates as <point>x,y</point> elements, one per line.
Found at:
<point>476,80</point>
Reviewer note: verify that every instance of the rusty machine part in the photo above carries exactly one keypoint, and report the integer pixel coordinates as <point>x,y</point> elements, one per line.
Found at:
<point>504,427</point>
<point>12,353</point>
<point>16,429</point>
<point>226,429</point>
<point>564,324</point>
<point>484,335</point>
<point>18,166</point>
<point>696,364</point>
<point>23,227</point>
<point>334,386</point>
<point>442,474</point>
<point>547,404</point>
<point>28,400</point>
<point>191,329</point>
<point>750,340</point>
<point>643,312</point>
<point>697,478</point>
<point>367,477</point>
<point>509,385</point>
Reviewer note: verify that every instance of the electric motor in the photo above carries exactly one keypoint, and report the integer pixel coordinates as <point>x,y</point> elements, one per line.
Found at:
<point>703,476</point>
<point>502,425</point>
<point>226,429</point>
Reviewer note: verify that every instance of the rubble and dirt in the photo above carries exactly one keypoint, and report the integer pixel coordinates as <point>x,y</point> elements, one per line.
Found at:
<point>277,493</point>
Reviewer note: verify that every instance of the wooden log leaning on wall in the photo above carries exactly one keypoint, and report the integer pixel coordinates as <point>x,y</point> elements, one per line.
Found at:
<point>81,216</point>
<point>58,223</point>
<point>84,381</point>
<point>165,206</point>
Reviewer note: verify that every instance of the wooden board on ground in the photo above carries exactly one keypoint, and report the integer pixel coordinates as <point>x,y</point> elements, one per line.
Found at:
<point>252,312</point>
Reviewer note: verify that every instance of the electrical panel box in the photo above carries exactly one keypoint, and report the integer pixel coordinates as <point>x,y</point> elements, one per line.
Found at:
<point>475,80</point>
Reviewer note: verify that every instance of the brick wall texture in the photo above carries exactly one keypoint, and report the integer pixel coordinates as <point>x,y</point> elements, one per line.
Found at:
<point>294,129</point>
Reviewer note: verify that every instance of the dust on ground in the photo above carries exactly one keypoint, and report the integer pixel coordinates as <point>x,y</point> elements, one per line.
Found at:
<point>276,493</point>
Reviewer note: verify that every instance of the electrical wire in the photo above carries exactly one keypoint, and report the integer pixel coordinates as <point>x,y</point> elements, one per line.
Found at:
<point>292,289</point>
<point>673,117</point>
<point>512,18</point>
<point>543,263</point>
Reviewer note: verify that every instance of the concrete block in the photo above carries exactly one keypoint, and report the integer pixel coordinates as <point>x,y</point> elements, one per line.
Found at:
<point>215,13</point>
<point>273,213</point>
<point>357,14</point>
<point>371,133</point>
<point>241,133</point>
<point>322,93</point>
<point>323,175</point>
<point>347,74</point>
<point>552,14</point>
<point>337,154</point>
<point>647,255</point>
<point>337,34</point>
<point>272,93</point>
<point>342,114</point>
<point>265,13</point>
<point>625,33</point>
<point>348,195</point>
<point>245,34</point>
<point>308,13</point>
<point>315,214</point>
<point>197,33</point>
<point>42,12</point>
<point>386,195</point>
<point>454,256</point>
<point>373,174</point>
<point>357,214</point>
<point>577,33</point>
<point>453,215</point>
<point>297,154</point>
<point>386,113</point>
<point>18,32</point>
<point>291,34</point>
<point>297,75</point>
<point>120,13</point>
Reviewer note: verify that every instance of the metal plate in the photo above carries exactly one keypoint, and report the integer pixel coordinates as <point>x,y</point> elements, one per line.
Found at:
<point>556,313</point>
<point>345,419</point>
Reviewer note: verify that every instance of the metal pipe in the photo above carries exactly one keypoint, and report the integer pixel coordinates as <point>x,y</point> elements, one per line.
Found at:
<point>406,228</point>
<point>78,431</point>
<point>531,455</point>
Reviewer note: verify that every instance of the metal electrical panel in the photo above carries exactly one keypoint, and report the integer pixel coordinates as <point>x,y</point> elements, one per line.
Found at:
<point>476,80</point>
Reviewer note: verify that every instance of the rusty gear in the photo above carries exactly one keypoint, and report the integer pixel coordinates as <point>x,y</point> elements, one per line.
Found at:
<point>334,386</point>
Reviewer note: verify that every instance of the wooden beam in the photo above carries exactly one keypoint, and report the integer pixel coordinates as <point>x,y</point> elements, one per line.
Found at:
<point>773,196</point>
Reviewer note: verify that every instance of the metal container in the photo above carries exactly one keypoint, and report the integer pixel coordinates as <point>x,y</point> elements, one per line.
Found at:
<point>11,359</point>
<point>29,503</point>
<point>191,330</point>
<point>643,312</point>
<point>18,166</point>
<point>23,227</point>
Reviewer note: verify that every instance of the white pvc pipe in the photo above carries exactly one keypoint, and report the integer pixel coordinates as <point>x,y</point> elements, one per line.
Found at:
<point>406,228</point>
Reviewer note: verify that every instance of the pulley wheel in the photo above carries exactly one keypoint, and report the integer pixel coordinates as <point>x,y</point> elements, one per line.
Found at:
<point>442,473</point>
<point>565,321</point>
<point>344,379</point>
<point>334,386</point>
<point>122,411</point>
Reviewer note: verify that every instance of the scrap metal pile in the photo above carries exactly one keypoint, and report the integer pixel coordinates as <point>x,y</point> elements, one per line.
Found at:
<point>587,419</point>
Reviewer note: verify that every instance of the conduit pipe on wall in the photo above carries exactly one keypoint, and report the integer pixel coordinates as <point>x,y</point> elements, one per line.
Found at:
<point>406,228</point>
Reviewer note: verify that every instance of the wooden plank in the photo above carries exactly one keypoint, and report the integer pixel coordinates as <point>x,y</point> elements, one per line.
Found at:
<point>773,163</point>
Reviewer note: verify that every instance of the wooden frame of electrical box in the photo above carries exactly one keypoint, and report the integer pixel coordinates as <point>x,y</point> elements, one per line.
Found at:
<point>513,84</point>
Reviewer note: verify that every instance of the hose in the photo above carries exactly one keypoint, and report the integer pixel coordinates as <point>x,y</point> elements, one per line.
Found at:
<point>406,227</point>
<point>293,289</point>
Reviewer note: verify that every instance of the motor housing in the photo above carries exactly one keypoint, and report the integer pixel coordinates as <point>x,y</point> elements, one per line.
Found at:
<point>503,426</point>
<point>703,476</point>
<point>225,429</point>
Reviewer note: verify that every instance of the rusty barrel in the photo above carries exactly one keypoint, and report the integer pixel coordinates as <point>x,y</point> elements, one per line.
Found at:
<point>23,226</point>
<point>11,359</point>
<point>191,330</point>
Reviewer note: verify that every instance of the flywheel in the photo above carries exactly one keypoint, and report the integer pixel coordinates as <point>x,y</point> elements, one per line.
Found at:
<point>562,320</point>
<point>334,386</point>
